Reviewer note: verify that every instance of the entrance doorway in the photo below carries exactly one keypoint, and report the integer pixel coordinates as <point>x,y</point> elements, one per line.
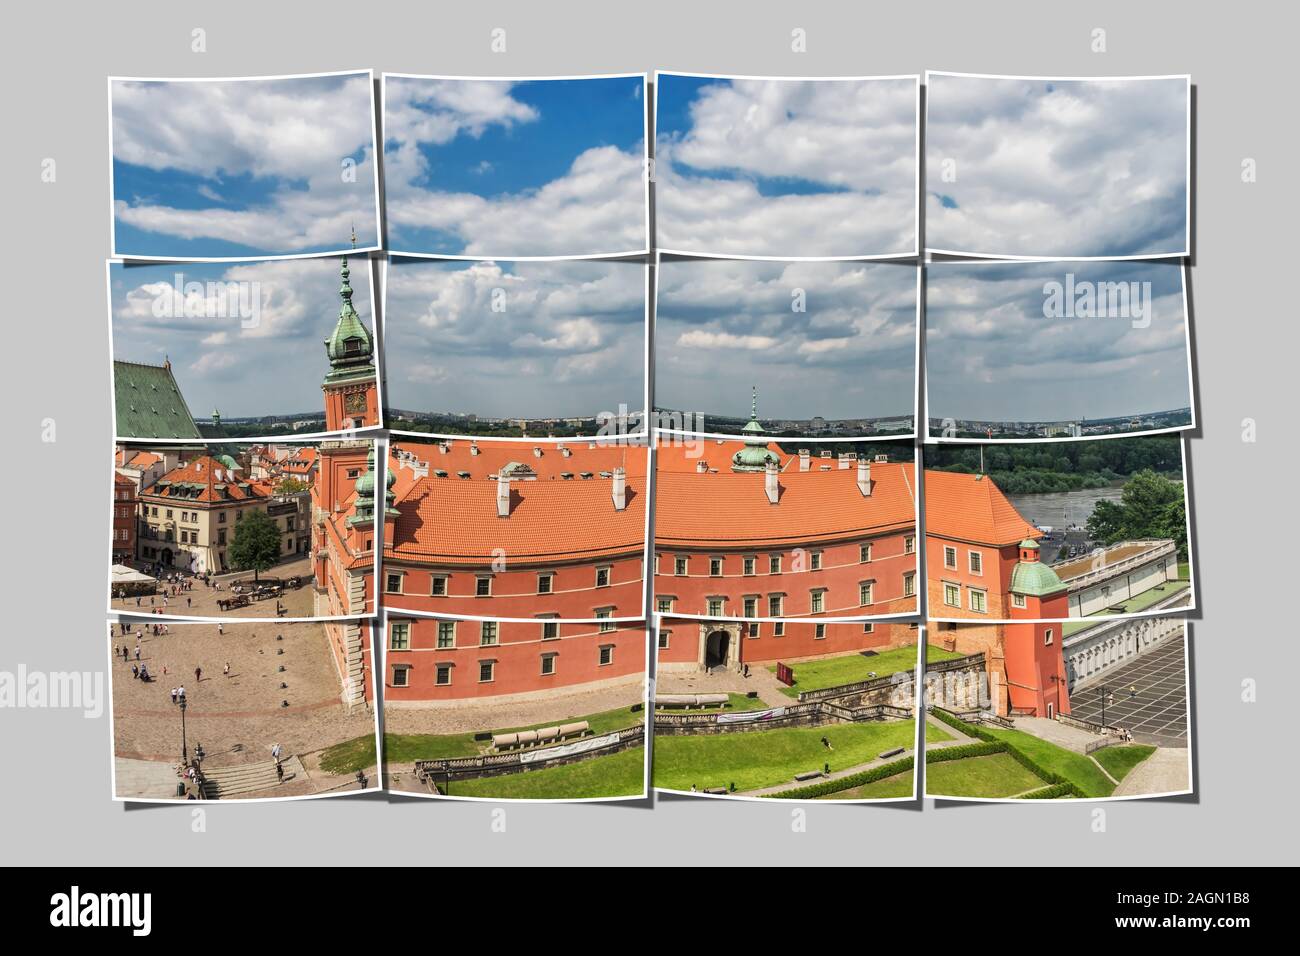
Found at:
<point>716,649</point>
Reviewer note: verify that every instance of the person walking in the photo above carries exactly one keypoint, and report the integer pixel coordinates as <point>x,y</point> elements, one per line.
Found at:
<point>175,694</point>
<point>198,674</point>
<point>225,669</point>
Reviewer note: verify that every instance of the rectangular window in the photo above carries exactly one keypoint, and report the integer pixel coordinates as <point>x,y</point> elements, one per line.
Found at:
<point>663,639</point>
<point>393,584</point>
<point>909,544</point>
<point>774,603</point>
<point>774,564</point>
<point>951,595</point>
<point>544,583</point>
<point>602,577</point>
<point>550,630</point>
<point>487,633</point>
<point>438,585</point>
<point>1047,637</point>
<point>864,553</point>
<point>487,671</point>
<point>483,587</point>
<point>751,606</point>
<point>749,564</point>
<point>818,601</point>
<point>949,557</point>
<point>976,562</point>
<point>909,584</point>
<point>606,654</point>
<point>715,567</point>
<point>1017,600</point>
<point>442,675</point>
<point>680,566</point>
<point>866,592</point>
<point>778,629</point>
<point>821,632</point>
<point>401,676</point>
<point>548,664</point>
<point>399,636</point>
<point>816,559</point>
<point>714,607</point>
<point>664,605</point>
<point>978,601</point>
<point>446,635</point>
<point>603,616</point>
<point>868,628</point>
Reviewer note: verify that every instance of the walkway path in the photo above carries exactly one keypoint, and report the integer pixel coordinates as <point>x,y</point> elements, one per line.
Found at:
<point>796,784</point>
<point>1165,771</point>
<point>1055,732</point>
<point>760,681</point>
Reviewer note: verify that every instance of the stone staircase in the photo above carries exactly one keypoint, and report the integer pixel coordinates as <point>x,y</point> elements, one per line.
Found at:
<point>222,783</point>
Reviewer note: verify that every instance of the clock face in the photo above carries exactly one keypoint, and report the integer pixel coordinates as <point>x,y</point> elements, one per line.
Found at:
<point>354,402</point>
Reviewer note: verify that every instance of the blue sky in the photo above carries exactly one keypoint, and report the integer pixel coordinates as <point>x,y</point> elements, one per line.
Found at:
<point>1062,168</point>
<point>723,326</point>
<point>271,363</point>
<point>992,354</point>
<point>786,168</point>
<point>507,168</point>
<point>570,340</point>
<point>228,169</point>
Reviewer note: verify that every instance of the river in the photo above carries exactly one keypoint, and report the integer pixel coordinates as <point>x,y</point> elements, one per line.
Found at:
<point>1059,510</point>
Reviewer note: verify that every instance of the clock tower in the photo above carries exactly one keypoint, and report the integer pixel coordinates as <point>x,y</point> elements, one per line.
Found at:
<point>350,386</point>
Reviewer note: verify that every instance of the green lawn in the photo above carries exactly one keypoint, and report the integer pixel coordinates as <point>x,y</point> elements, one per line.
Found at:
<point>851,668</point>
<point>899,785</point>
<point>350,756</point>
<point>764,758</point>
<point>1074,767</point>
<point>995,775</point>
<point>1118,761</point>
<point>615,775</point>
<point>934,735</point>
<point>407,748</point>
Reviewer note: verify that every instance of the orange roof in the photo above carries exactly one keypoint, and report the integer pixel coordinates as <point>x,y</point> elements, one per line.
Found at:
<point>726,510</point>
<point>449,521</point>
<point>685,454</point>
<point>211,476</point>
<point>972,508</point>
<point>493,455</point>
<point>141,459</point>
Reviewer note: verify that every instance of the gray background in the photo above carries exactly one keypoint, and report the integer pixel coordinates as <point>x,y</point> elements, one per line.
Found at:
<point>56,763</point>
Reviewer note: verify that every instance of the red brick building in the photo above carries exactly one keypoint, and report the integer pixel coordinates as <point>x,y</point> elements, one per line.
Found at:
<point>351,387</point>
<point>687,643</point>
<point>743,531</point>
<point>508,530</point>
<point>125,504</point>
<point>982,557</point>
<point>442,659</point>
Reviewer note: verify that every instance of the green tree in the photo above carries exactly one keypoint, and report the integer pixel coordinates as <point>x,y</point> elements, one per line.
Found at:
<point>256,544</point>
<point>289,486</point>
<point>1151,506</point>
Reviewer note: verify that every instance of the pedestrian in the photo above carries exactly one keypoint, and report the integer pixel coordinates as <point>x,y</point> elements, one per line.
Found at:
<point>135,671</point>
<point>198,674</point>
<point>275,752</point>
<point>174,695</point>
<point>180,692</point>
<point>221,629</point>
<point>226,669</point>
<point>279,772</point>
<point>137,652</point>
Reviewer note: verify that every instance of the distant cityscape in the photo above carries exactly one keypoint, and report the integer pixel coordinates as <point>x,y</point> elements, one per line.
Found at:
<point>485,426</point>
<point>1046,430</point>
<point>815,427</point>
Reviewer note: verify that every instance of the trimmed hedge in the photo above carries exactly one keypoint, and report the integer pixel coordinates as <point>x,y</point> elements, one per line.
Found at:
<point>845,783</point>
<point>1054,792</point>
<point>962,751</point>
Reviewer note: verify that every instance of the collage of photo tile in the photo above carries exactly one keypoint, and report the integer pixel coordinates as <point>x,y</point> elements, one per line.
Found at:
<point>723,436</point>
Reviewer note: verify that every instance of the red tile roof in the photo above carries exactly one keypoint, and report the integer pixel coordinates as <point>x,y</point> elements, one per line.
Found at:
<point>204,473</point>
<point>725,510</point>
<point>493,455</point>
<point>972,508</point>
<point>450,521</point>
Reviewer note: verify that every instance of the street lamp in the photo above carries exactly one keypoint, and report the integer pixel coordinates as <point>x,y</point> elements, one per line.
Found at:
<point>184,749</point>
<point>1104,691</point>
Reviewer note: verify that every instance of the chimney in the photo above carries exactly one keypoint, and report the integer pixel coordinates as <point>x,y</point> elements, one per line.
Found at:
<point>701,466</point>
<point>864,477</point>
<point>473,448</point>
<point>619,493</point>
<point>503,497</point>
<point>770,483</point>
<point>843,460</point>
<point>537,452</point>
<point>882,459</point>
<point>444,448</point>
<point>566,451</point>
<point>805,459</point>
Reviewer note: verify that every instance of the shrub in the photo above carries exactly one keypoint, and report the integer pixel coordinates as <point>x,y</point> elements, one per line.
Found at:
<point>815,790</point>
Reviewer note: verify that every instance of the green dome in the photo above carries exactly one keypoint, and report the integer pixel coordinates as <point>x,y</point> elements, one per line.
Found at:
<point>1029,544</point>
<point>1035,579</point>
<point>755,455</point>
<point>350,347</point>
<point>366,483</point>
